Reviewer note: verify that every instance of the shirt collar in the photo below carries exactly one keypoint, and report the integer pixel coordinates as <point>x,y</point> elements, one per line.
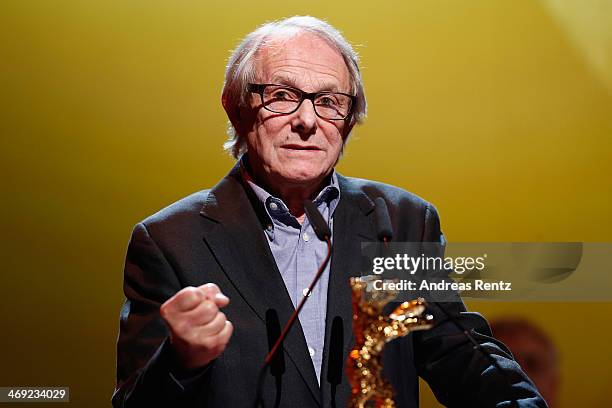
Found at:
<point>278,210</point>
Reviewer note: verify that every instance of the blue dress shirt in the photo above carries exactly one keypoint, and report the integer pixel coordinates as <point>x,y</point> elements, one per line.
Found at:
<point>298,253</point>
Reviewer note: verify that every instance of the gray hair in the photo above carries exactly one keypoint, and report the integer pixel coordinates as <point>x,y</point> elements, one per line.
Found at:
<point>240,69</point>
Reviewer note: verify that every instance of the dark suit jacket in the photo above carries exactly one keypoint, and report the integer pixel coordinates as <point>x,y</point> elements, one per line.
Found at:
<point>217,236</point>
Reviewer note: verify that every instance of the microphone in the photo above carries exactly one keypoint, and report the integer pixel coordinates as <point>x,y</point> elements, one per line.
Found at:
<point>384,233</point>
<point>322,231</point>
<point>319,225</point>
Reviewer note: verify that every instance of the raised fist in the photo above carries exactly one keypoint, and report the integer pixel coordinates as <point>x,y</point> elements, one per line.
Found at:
<point>199,330</point>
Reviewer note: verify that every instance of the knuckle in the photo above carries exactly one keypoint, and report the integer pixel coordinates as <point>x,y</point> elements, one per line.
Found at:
<point>212,287</point>
<point>192,337</point>
<point>223,340</point>
<point>163,309</point>
<point>209,308</point>
<point>172,321</point>
<point>212,329</point>
<point>190,294</point>
<point>208,342</point>
<point>179,328</point>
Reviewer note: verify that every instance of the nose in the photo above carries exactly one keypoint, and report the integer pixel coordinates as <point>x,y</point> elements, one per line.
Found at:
<point>304,120</point>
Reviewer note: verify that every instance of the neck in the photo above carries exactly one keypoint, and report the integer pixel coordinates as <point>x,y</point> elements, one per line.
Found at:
<point>294,197</point>
<point>292,194</point>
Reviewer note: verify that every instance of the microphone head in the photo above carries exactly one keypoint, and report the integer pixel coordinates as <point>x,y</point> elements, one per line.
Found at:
<point>319,225</point>
<point>384,232</point>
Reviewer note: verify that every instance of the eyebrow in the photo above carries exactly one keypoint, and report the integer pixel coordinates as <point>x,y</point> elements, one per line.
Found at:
<point>290,81</point>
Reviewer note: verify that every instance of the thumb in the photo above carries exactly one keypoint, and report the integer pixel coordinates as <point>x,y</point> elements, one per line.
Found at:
<point>213,293</point>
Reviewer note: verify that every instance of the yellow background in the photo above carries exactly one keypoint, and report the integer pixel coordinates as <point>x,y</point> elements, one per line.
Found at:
<point>498,112</point>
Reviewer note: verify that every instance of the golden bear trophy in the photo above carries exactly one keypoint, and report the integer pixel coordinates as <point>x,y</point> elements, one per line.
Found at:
<point>372,330</point>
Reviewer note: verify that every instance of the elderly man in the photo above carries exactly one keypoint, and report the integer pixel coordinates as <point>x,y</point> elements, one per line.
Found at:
<point>210,280</point>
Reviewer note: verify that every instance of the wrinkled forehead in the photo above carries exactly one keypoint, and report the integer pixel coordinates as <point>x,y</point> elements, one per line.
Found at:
<point>294,58</point>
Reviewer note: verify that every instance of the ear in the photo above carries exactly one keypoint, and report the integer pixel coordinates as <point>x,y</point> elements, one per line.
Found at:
<point>241,117</point>
<point>229,110</point>
<point>232,110</point>
<point>348,126</point>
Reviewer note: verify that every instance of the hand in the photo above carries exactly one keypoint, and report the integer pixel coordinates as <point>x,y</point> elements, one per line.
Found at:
<point>199,331</point>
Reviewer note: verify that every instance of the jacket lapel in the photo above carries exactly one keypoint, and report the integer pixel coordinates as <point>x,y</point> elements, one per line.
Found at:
<point>353,225</point>
<point>235,235</point>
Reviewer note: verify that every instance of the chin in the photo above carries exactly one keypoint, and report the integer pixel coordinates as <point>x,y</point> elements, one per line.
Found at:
<point>301,176</point>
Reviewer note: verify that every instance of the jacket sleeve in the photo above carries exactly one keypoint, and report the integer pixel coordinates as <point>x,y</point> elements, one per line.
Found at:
<point>147,375</point>
<point>458,374</point>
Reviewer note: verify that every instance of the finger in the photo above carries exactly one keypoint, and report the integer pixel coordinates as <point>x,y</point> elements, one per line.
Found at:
<point>184,300</point>
<point>213,327</point>
<point>226,333</point>
<point>222,338</point>
<point>210,289</point>
<point>221,300</point>
<point>203,314</point>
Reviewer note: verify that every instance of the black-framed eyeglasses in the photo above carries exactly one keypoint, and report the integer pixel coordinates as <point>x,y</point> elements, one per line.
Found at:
<point>286,99</point>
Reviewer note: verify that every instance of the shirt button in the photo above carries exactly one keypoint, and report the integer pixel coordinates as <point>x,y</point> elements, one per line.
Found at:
<point>311,351</point>
<point>306,237</point>
<point>306,292</point>
<point>273,206</point>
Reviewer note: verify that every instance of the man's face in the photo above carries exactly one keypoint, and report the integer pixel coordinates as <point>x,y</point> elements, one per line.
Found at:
<point>300,148</point>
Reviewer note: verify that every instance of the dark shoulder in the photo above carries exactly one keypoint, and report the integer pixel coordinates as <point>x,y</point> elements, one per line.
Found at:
<point>413,219</point>
<point>394,196</point>
<point>178,215</point>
